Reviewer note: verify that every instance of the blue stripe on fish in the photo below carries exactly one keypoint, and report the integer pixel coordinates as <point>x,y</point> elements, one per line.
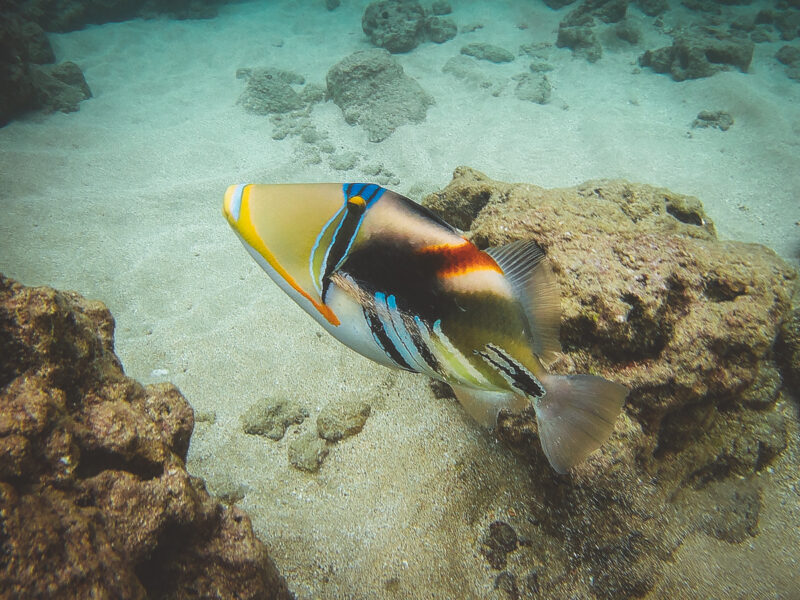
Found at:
<point>348,220</point>
<point>235,206</point>
<point>403,338</point>
<point>422,342</point>
<point>368,191</point>
<point>317,281</point>
<point>385,316</point>
<point>381,333</point>
<point>324,270</point>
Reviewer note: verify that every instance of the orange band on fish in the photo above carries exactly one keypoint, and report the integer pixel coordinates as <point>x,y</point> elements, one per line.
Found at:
<point>460,259</point>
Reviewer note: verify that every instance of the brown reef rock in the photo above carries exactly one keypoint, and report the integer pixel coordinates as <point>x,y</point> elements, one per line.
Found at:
<point>703,331</point>
<point>95,500</point>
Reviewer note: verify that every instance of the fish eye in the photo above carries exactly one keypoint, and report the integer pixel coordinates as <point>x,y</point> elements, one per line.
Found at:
<point>356,204</point>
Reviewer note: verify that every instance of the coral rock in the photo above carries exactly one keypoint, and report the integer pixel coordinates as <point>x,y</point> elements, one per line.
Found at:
<point>533,87</point>
<point>270,91</point>
<point>441,29</point>
<point>307,451</point>
<point>372,90</point>
<point>718,118</point>
<point>576,32</point>
<point>702,332</point>
<point>700,52</point>
<point>271,418</point>
<point>395,26</point>
<point>489,52</point>
<point>24,45</point>
<point>95,500</point>
<point>60,87</point>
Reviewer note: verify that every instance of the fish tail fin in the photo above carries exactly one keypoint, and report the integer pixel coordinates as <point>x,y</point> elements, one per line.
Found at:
<point>576,416</point>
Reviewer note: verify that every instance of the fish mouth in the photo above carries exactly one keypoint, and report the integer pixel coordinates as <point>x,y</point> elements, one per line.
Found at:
<point>232,203</point>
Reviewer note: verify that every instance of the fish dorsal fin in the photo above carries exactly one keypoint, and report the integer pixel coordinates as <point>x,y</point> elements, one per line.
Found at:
<point>531,277</point>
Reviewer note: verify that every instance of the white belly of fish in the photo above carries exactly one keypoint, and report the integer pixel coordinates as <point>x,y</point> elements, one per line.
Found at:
<point>353,330</point>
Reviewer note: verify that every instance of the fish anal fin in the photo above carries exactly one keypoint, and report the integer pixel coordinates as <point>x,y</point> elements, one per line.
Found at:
<point>535,286</point>
<point>484,405</point>
<point>576,416</point>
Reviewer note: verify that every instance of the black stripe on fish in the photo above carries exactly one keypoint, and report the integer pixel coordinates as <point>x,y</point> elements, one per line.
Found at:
<point>340,244</point>
<point>382,338</point>
<point>518,375</point>
<point>386,264</point>
<point>414,329</point>
<point>368,191</point>
<point>347,229</point>
<point>405,332</point>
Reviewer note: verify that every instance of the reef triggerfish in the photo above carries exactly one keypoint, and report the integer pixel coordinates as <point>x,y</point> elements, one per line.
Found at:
<point>397,284</point>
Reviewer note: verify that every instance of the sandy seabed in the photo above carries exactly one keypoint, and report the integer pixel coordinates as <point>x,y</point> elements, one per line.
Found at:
<point>121,202</point>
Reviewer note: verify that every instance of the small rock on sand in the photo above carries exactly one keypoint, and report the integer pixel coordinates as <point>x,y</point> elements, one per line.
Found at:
<point>271,418</point>
<point>340,420</point>
<point>307,451</point>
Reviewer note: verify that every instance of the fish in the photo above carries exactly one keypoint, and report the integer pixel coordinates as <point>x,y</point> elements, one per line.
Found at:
<point>394,282</point>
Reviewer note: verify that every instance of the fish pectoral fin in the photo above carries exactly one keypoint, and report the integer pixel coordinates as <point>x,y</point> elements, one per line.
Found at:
<point>535,285</point>
<point>485,405</point>
<point>576,416</point>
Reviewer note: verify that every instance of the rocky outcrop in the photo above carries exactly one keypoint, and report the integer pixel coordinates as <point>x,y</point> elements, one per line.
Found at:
<point>786,21</point>
<point>713,118</point>
<point>395,26</point>
<point>95,500</point>
<point>69,15</point>
<point>27,81</point>
<point>790,56</point>
<point>401,25</point>
<point>576,32</point>
<point>701,330</point>
<point>488,52</point>
<point>373,91</point>
<point>700,52</point>
<point>59,87</point>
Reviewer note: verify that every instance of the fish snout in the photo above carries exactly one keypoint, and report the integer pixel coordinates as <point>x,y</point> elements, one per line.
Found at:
<point>232,204</point>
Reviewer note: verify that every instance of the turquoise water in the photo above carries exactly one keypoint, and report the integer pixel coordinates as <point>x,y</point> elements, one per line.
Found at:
<point>121,201</point>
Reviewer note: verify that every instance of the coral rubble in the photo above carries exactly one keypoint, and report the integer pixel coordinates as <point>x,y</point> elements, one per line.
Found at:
<point>341,420</point>
<point>716,118</point>
<point>271,418</point>
<point>270,91</point>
